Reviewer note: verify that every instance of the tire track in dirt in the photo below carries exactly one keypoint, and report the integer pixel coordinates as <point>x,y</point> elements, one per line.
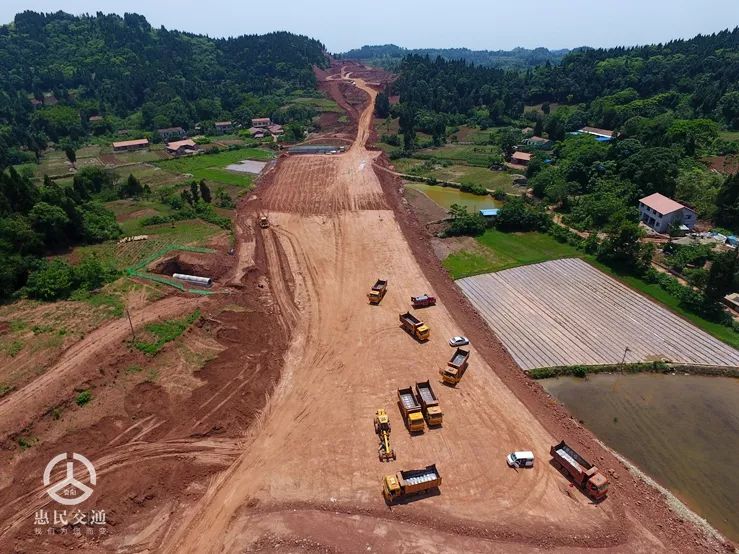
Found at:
<point>20,408</point>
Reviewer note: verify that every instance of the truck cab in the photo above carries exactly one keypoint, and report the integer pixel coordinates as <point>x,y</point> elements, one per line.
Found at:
<point>597,486</point>
<point>390,488</point>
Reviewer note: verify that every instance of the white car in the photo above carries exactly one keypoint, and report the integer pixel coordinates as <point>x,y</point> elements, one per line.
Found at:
<point>458,341</point>
<point>520,459</point>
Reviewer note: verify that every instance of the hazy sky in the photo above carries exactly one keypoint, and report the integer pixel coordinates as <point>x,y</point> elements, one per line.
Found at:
<point>476,24</point>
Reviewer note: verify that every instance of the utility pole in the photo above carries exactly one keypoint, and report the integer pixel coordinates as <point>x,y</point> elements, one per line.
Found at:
<point>627,349</point>
<point>133,333</point>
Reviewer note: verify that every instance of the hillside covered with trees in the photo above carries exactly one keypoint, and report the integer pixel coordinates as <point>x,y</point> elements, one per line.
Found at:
<point>390,55</point>
<point>57,69</point>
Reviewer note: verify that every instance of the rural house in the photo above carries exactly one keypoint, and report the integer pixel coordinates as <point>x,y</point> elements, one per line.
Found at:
<point>537,142</point>
<point>660,212</point>
<point>275,129</point>
<point>261,122</point>
<point>520,158</point>
<point>182,147</point>
<point>601,135</point>
<point>223,127</point>
<point>127,145</point>
<point>172,132</point>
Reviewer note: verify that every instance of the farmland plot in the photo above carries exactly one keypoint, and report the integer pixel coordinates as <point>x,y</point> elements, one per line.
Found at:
<point>565,312</point>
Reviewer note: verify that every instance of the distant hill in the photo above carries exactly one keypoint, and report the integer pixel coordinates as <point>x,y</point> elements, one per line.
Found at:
<point>389,55</point>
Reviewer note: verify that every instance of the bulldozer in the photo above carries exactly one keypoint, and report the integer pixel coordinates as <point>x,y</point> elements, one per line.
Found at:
<point>382,429</point>
<point>263,221</point>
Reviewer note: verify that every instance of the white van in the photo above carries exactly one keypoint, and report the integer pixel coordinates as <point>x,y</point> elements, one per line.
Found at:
<point>520,459</point>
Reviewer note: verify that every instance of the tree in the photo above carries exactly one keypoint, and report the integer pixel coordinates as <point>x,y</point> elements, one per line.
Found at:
<point>652,170</point>
<point>727,203</point>
<point>623,249</point>
<point>132,188</point>
<point>728,106</point>
<point>382,105</point>
<point>723,277</point>
<point>692,134</point>
<point>51,222</point>
<point>51,281</point>
<point>464,222</point>
<point>517,215</point>
<point>71,154</point>
<point>194,192</point>
<point>205,192</point>
<point>538,127</point>
<point>508,140</point>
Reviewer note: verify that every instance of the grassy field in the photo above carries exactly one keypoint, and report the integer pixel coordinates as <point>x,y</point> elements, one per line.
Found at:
<point>458,173</point>
<point>472,155</point>
<point>191,232</point>
<point>729,135</point>
<point>506,250</point>
<point>211,167</point>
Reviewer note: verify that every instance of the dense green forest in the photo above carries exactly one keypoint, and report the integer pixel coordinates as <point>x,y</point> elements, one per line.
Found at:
<point>690,78</point>
<point>390,55</point>
<point>135,76</point>
<point>57,70</point>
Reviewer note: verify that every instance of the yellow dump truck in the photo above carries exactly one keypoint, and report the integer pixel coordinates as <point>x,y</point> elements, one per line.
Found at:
<point>429,403</point>
<point>417,328</point>
<point>410,410</point>
<point>377,292</point>
<point>456,367</point>
<point>382,428</point>
<point>411,482</point>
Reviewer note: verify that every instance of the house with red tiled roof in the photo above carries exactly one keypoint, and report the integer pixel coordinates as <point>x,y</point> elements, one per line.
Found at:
<point>126,145</point>
<point>520,158</point>
<point>660,212</point>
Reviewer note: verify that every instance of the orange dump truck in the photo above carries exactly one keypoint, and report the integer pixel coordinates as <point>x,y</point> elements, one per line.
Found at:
<point>415,326</point>
<point>583,473</point>
<point>429,403</point>
<point>455,367</point>
<point>377,292</point>
<point>410,482</point>
<point>410,409</point>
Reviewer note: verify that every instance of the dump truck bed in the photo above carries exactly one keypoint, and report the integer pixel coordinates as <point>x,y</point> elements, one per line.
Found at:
<point>420,479</point>
<point>379,285</point>
<point>459,358</point>
<point>426,393</point>
<point>408,399</point>
<point>410,318</point>
<point>571,457</point>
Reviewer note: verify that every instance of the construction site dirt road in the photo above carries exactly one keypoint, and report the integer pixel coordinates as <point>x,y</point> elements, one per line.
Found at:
<point>270,446</point>
<point>309,477</point>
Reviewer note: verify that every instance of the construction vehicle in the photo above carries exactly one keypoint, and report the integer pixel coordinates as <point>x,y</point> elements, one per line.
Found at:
<point>377,293</point>
<point>584,474</point>
<point>411,482</point>
<point>382,429</point>
<point>410,409</point>
<point>263,221</point>
<point>417,328</point>
<point>429,403</point>
<point>455,367</point>
<point>423,301</point>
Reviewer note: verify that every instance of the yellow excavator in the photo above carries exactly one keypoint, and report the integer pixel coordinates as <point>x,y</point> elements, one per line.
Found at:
<point>382,428</point>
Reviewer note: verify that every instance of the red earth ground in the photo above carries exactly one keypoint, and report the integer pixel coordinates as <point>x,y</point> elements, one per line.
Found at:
<point>269,446</point>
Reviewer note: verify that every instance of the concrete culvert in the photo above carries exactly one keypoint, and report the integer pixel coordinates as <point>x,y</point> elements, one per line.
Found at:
<point>202,281</point>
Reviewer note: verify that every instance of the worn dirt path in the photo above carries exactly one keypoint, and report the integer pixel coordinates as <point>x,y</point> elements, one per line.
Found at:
<point>313,455</point>
<point>19,409</point>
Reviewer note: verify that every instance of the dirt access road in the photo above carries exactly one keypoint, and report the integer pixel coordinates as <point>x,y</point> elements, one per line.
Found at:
<point>309,477</point>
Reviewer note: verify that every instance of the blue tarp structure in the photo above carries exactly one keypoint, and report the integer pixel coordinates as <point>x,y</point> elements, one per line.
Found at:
<point>489,212</point>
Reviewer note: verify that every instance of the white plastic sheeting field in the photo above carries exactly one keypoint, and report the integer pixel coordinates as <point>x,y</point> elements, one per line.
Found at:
<point>566,312</point>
